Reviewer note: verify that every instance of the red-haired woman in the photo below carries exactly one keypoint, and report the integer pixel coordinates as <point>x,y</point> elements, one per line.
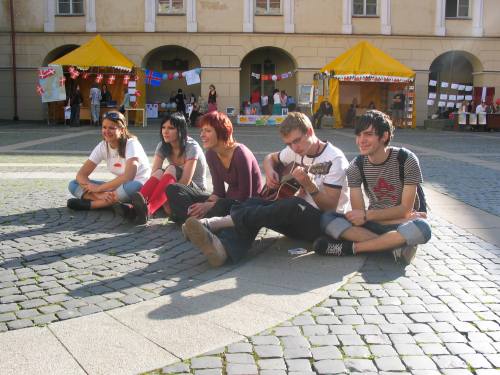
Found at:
<point>229,162</point>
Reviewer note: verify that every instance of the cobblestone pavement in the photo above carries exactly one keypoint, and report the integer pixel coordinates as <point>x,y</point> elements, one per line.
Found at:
<point>440,315</point>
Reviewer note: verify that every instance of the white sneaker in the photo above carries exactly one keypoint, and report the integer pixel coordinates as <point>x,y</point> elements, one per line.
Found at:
<point>206,241</point>
<point>404,254</point>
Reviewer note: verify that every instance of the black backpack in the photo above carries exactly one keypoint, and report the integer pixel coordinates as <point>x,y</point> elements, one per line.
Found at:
<point>420,202</point>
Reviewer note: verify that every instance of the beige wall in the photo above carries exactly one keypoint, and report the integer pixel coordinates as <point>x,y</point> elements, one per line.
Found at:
<point>402,23</point>
<point>173,23</point>
<point>69,24</point>
<point>366,25</point>
<point>491,18</point>
<point>457,27</point>
<point>125,15</point>
<point>318,16</point>
<point>269,24</point>
<point>29,15</point>
<point>219,15</point>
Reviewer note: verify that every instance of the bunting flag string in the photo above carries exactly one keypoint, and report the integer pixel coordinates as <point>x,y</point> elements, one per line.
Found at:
<point>272,77</point>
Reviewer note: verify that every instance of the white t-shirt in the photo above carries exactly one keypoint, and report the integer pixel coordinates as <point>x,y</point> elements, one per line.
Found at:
<point>481,109</point>
<point>277,98</point>
<point>116,164</point>
<point>335,178</point>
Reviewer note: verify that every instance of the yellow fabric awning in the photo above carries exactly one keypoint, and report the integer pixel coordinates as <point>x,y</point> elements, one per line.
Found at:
<point>365,59</point>
<point>96,52</point>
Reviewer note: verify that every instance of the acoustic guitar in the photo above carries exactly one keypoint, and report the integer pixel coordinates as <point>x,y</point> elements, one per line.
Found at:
<point>289,186</point>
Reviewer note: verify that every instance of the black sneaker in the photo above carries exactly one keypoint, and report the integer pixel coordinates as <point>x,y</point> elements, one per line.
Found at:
<point>141,208</point>
<point>327,246</point>
<point>78,204</point>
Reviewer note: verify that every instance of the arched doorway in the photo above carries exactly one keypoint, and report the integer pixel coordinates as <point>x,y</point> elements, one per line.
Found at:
<point>59,52</point>
<point>169,60</point>
<point>266,69</point>
<point>452,67</point>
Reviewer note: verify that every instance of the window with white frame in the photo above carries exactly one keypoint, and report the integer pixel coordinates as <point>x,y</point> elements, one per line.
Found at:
<point>70,7</point>
<point>267,7</point>
<point>457,8</point>
<point>364,7</point>
<point>171,7</point>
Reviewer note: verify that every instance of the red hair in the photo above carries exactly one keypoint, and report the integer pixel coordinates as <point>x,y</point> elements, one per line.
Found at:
<point>221,123</point>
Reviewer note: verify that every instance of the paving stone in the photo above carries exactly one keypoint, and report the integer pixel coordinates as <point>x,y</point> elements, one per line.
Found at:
<point>268,351</point>
<point>298,365</point>
<point>265,340</point>
<point>19,323</point>
<point>459,348</point>
<point>68,314</point>
<point>419,362</point>
<point>287,331</point>
<point>342,329</point>
<point>8,307</point>
<point>329,366</point>
<point>449,362</point>
<point>241,369</point>
<point>242,347</point>
<point>34,303</point>
<point>494,359</point>
<point>45,319</point>
<point>324,340</point>
<point>240,358</point>
<point>316,330</point>
<point>389,364</point>
<point>450,337</point>
<point>402,338</point>
<point>434,349</point>
<point>476,360</point>
<point>6,317</point>
<point>360,365</point>
<point>408,349</point>
<point>272,364</point>
<point>297,353</point>
<point>424,338</point>
<point>350,339</point>
<point>377,339</point>
<point>303,320</point>
<point>275,372</point>
<point>356,351</point>
<point>295,342</point>
<point>177,368</point>
<point>367,329</point>
<point>326,352</point>
<point>206,362</point>
<point>383,350</point>
<point>90,309</point>
<point>27,314</point>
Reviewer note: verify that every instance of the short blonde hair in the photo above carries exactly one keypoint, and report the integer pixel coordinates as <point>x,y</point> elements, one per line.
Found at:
<point>295,120</point>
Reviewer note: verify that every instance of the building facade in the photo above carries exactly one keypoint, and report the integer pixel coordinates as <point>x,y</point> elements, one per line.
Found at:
<point>453,40</point>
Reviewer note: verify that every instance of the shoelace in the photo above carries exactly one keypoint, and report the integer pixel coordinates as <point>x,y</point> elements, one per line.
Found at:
<point>334,249</point>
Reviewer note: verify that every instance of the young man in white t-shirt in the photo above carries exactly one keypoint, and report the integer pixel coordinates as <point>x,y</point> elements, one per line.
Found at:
<point>297,216</point>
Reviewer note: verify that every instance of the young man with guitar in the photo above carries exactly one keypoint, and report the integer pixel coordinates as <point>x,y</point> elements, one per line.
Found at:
<point>297,216</point>
<point>391,178</point>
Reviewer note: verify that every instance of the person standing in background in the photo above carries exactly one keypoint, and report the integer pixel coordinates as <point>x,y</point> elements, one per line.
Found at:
<point>75,102</point>
<point>276,102</point>
<point>255,102</point>
<point>105,96</point>
<point>212,99</point>
<point>95,104</point>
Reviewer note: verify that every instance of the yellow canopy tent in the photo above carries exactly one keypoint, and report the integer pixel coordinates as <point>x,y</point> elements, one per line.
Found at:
<point>368,74</point>
<point>98,56</point>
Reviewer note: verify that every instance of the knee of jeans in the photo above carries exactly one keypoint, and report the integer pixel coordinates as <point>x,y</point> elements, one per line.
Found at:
<point>415,232</point>
<point>73,187</point>
<point>126,190</point>
<point>327,218</point>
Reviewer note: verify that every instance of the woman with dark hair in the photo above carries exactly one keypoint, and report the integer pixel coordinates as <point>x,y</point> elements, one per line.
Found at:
<point>125,158</point>
<point>230,163</point>
<point>187,166</point>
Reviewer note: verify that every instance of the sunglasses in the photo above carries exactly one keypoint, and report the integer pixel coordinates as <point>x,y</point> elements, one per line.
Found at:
<point>114,116</point>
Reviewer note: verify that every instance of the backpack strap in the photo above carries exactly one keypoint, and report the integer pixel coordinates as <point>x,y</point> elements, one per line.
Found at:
<point>359,163</point>
<point>402,156</point>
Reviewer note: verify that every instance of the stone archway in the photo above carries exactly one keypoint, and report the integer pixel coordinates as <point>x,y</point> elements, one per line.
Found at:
<point>59,52</point>
<point>266,61</point>
<point>170,59</point>
<point>455,66</point>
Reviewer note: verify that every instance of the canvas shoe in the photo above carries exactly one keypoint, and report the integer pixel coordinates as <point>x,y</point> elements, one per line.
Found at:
<point>203,221</point>
<point>404,254</point>
<point>206,241</point>
<point>328,246</point>
<point>78,204</point>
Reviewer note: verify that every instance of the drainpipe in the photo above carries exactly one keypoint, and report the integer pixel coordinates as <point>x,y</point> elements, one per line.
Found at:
<point>13,45</point>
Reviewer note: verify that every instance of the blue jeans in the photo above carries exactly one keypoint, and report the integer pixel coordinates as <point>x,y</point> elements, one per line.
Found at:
<point>415,232</point>
<point>124,191</point>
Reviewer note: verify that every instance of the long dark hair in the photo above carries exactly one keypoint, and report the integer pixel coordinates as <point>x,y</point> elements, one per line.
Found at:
<point>179,122</point>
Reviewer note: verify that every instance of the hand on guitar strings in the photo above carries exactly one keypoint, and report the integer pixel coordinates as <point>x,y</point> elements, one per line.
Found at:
<point>303,178</point>
<point>272,179</point>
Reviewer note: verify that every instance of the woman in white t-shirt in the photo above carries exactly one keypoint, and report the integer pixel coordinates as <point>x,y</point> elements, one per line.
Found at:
<point>124,157</point>
<point>187,166</point>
